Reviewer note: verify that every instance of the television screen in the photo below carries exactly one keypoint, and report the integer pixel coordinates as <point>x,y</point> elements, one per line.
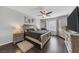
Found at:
<point>72,21</point>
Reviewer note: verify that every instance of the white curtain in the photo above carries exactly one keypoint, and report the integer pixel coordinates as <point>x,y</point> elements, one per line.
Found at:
<point>51,25</point>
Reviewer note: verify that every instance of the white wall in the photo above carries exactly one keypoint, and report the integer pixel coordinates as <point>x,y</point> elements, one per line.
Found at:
<point>37,23</point>
<point>8,20</point>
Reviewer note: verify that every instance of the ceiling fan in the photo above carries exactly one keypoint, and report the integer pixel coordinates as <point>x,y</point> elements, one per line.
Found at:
<point>45,13</point>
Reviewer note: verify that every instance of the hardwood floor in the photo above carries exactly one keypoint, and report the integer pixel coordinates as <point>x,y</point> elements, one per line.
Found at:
<point>54,45</point>
<point>8,48</point>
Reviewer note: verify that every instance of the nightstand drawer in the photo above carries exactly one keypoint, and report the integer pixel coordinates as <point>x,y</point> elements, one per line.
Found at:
<point>18,34</point>
<point>17,37</point>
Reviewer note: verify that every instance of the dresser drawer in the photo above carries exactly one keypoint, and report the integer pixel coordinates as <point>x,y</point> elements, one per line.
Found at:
<point>18,37</point>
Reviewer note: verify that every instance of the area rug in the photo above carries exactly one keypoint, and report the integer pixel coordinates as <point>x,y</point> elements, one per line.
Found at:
<point>25,46</point>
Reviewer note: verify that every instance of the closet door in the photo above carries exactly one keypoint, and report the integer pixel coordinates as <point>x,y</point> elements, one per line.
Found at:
<point>51,26</point>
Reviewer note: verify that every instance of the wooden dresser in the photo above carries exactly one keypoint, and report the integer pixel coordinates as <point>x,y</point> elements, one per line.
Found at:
<point>75,44</point>
<point>17,37</point>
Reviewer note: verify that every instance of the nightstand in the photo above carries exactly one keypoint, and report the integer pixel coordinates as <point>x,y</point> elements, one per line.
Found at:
<point>18,37</point>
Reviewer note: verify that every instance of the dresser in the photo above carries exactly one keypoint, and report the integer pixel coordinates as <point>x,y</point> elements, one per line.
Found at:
<point>75,43</point>
<point>18,37</point>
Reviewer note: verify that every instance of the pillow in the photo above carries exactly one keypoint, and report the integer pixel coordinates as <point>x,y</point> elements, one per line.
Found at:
<point>31,29</point>
<point>43,29</point>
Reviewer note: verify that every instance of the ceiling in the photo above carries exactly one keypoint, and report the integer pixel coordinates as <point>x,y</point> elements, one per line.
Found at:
<point>34,11</point>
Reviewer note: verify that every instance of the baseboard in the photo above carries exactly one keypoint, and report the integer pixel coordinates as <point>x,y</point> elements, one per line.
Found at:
<point>6,43</point>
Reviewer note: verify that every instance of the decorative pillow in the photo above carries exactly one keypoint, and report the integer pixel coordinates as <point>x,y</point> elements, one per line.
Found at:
<point>31,29</point>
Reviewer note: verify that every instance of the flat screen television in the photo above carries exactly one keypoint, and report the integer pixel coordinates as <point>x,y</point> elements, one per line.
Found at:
<point>73,20</point>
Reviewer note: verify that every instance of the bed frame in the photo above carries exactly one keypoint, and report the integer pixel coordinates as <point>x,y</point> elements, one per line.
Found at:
<point>44,38</point>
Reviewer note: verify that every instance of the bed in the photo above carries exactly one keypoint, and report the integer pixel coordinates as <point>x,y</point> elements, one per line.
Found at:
<point>40,37</point>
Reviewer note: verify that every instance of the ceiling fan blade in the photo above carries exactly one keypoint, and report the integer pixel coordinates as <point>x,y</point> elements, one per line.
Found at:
<point>41,12</point>
<point>49,12</point>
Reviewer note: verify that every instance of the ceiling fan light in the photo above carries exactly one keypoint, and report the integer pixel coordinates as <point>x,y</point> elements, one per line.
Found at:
<point>44,16</point>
